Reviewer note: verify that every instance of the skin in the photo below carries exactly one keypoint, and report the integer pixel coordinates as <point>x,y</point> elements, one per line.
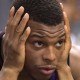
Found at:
<point>44,48</point>
<point>75,62</point>
<point>23,47</point>
<point>74,52</point>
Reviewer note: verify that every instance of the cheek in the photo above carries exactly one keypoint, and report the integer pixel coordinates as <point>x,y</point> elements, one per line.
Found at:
<point>60,53</point>
<point>32,57</point>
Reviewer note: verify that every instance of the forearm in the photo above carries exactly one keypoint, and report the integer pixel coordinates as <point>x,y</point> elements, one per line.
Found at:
<point>65,74</point>
<point>8,75</point>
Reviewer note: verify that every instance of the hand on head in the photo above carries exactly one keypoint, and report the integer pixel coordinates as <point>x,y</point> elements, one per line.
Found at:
<point>15,38</point>
<point>63,69</point>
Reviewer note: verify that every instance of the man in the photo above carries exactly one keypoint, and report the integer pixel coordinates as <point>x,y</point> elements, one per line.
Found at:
<point>36,42</point>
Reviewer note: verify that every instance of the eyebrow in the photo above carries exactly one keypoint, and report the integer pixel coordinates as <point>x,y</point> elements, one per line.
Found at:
<point>38,35</point>
<point>43,35</point>
<point>61,35</point>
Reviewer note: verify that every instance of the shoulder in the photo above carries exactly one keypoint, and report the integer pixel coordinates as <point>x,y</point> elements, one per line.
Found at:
<point>75,61</point>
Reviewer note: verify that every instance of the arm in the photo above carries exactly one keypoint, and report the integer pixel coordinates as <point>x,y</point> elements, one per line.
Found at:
<point>6,74</point>
<point>14,44</point>
<point>75,61</point>
<point>64,71</point>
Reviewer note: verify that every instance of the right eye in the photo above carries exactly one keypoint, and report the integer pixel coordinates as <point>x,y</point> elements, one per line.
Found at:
<point>38,44</point>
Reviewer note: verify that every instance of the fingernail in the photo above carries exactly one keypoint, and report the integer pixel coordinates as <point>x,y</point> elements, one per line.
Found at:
<point>26,15</point>
<point>61,5</point>
<point>12,9</point>
<point>28,29</point>
<point>21,8</point>
<point>65,27</point>
<point>64,13</point>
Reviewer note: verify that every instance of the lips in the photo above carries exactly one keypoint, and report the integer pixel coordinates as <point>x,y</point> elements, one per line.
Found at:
<point>47,70</point>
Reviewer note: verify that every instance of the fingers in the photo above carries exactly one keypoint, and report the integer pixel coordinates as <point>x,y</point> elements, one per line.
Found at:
<point>65,17</point>
<point>14,42</point>
<point>25,35</point>
<point>67,44</point>
<point>19,30</point>
<point>22,41</point>
<point>13,21</point>
<point>17,16</point>
<point>67,47</point>
<point>16,19</point>
<point>68,39</point>
<point>61,5</point>
<point>11,15</point>
<point>16,25</point>
<point>66,20</point>
<point>67,31</point>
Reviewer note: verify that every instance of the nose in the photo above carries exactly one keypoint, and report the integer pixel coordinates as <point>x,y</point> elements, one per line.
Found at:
<point>49,54</point>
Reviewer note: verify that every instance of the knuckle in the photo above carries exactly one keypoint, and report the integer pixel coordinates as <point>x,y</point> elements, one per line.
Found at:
<point>24,19</point>
<point>11,45</point>
<point>18,12</point>
<point>8,23</point>
<point>22,39</point>
<point>13,24</point>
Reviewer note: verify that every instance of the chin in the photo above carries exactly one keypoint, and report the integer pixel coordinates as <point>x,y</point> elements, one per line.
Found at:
<point>41,77</point>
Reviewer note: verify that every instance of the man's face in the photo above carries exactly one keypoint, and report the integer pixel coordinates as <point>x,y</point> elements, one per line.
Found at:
<point>44,48</point>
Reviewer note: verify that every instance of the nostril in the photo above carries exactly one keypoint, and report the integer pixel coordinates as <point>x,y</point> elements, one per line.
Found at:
<point>49,57</point>
<point>50,54</point>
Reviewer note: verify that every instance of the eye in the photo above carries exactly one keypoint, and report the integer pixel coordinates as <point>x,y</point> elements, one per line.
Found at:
<point>60,43</point>
<point>38,44</point>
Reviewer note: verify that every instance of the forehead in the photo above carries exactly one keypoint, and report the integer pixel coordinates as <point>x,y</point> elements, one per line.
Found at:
<point>35,26</point>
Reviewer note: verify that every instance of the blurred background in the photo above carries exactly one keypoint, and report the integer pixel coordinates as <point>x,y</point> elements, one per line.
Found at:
<point>4,12</point>
<point>72,8</point>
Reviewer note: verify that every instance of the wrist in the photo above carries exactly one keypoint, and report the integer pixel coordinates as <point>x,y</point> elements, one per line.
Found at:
<point>8,74</point>
<point>65,73</point>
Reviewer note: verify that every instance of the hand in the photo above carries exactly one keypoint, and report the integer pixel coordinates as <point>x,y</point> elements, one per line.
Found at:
<point>63,69</point>
<point>14,40</point>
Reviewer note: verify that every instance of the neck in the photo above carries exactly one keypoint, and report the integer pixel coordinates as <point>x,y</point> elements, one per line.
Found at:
<point>24,75</point>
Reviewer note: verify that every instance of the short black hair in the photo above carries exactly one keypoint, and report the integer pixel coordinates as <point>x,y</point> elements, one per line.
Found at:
<point>48,12</point>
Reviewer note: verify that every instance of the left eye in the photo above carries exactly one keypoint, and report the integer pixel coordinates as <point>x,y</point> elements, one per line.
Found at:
<point>59,43</point>
<point>38,44</point>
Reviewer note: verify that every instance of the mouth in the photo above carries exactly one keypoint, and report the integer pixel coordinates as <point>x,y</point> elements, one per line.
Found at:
<point>47,70</point>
